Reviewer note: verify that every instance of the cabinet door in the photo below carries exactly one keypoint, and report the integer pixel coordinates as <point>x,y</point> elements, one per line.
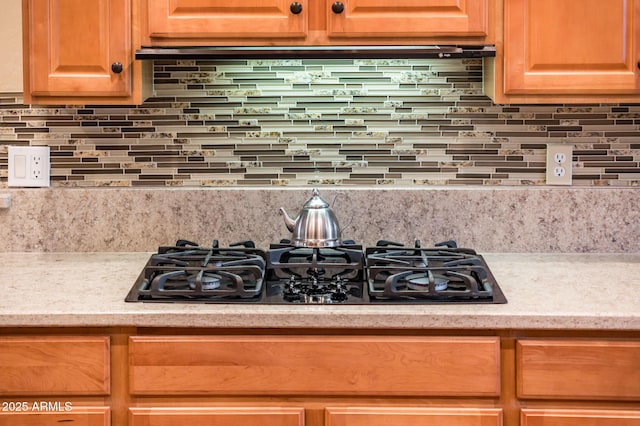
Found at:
<point>584,417</point>
<point>54,365</point>
<point>72,44</point>
<point>408,18</point>
<point>580,47</point>
<point>78,416</point>
<point>412,416</point>
<point>245,416</point>
<point>220,19</point>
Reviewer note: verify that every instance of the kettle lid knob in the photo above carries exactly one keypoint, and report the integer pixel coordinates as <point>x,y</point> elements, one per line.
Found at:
<point>316,202</point>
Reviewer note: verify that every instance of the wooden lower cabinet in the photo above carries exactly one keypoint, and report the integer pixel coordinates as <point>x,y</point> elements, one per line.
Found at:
<point>213,378</point>
<point>54,365</point>
<point>314,365</point>
<point>334,416</point>
<point>582,417</point>
<point>245,416</point>
<point>49,380</point>
<point>412,416</point>
<point>569,372</point>
<point>580,369</point>
<point>77,416</point>
<point>391,375</point>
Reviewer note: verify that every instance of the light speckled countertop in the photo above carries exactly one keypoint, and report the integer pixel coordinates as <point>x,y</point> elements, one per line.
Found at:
<point>545,291</point>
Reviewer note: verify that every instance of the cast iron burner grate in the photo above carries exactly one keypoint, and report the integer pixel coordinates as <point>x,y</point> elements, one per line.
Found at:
<point>188,272</point>
<point>444,273</point>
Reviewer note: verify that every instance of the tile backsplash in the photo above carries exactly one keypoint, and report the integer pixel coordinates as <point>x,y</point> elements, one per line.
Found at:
<point>317,122</point>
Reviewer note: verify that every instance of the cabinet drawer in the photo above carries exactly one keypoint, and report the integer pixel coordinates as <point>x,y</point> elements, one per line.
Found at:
<point>412,416</point>
<point>314,365</point>
<point>245,416</point>
<point>536,417</point>
<point>78,416</point>
<point>71,365</point>
<point>578,369</point>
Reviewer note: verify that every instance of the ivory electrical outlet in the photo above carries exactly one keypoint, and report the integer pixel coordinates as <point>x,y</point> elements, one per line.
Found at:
<point>559,162</point>
<point>29,166</point>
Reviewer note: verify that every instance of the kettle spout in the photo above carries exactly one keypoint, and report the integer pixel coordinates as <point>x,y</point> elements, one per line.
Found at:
<point>288,221</point>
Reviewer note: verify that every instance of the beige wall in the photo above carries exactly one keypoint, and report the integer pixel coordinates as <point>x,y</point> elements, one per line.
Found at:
<point>10,46</point>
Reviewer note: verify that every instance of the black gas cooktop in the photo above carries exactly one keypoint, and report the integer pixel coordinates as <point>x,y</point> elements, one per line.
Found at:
<point>388,273</point>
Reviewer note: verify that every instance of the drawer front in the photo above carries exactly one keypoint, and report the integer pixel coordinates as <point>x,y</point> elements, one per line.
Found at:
<point>54,365</point>
<point>412,416</point>
<point>531,417</point>
<point>245,416</point>
<point>211,20</point>
<point>78,416</point>
<point>580,369</point>
<point>314,365</point>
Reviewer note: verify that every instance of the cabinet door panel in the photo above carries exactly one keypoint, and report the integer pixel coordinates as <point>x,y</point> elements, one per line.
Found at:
<point>245,416</point>
<point>225,19</point>
<point>72,45</point>
<point>411,416</point>
<point>580,369</point>
<point>293,365</point>
<point>572,46</point>
<point>536,417</point>
<point>54,365</point>
<point>78,416</point>
<point>411,18</point>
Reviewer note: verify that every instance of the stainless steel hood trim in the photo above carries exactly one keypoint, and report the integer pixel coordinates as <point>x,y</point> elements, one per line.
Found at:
<point>315,52</point>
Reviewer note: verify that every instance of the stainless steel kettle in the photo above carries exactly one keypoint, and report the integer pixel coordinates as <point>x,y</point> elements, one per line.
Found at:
<point>315,226</point>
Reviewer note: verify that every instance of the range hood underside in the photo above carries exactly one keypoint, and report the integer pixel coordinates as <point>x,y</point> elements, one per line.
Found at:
<point>316,52</point>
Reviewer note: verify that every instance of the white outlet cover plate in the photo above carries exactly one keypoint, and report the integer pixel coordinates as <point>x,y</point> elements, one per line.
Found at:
<point>559,164</point>
<point>25,171</point>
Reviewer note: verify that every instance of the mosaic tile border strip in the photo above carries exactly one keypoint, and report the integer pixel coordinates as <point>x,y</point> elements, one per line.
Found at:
<point>321,122</point>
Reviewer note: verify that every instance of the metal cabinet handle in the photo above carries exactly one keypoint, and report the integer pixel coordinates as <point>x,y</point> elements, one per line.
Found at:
<point>337,7</point>
<point>117,67</point>
<point>295,8</point>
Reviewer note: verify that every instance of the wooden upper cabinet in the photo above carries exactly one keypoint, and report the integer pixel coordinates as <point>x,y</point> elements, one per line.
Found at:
<point>316,22</point>
<point>79,51</point>
<point>571,47</point>
<point>225,19</point>
<point>72,45</point>
<point>407,18</point>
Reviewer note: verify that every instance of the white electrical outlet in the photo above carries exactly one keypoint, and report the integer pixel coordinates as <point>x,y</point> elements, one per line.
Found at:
<point>29,166</point>
<point>559,162</point>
